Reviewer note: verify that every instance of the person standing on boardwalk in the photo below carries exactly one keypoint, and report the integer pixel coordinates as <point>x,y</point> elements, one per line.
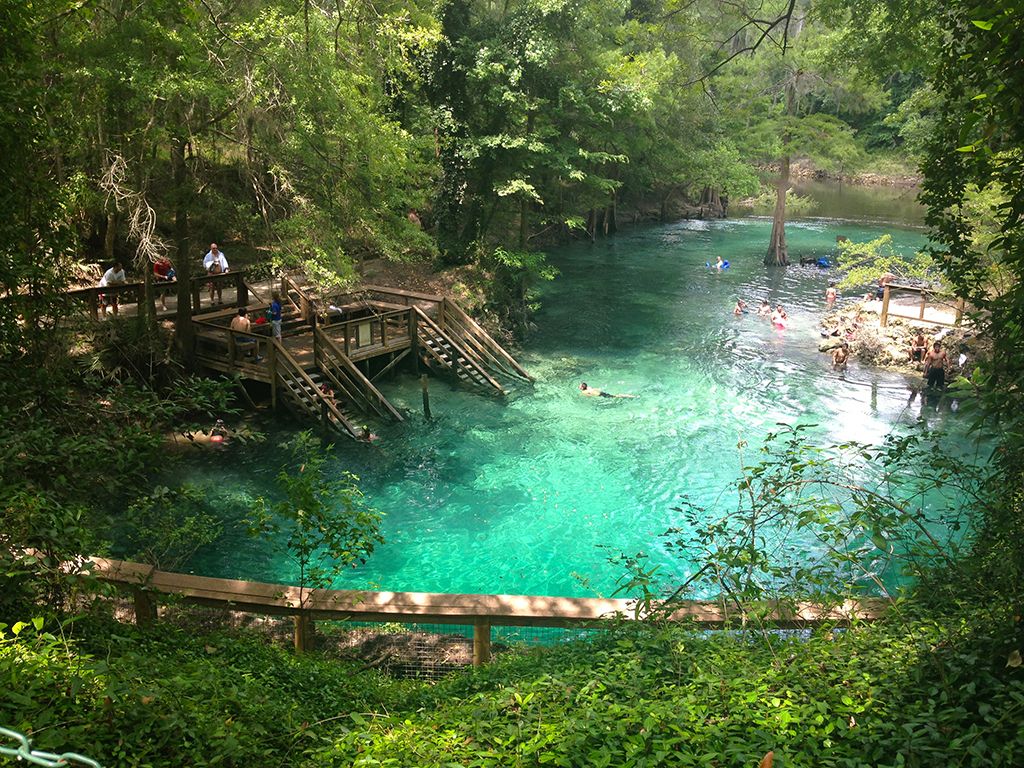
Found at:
<point>215,263</point>
<point>113,276</point>
<point>275,315</point>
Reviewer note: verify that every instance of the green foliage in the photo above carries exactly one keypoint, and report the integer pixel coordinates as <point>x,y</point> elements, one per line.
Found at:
<point>322,524</point>
<point>172,698</point>
<point>895,694</point>
<point>165,528</point>
<point>865,263</point>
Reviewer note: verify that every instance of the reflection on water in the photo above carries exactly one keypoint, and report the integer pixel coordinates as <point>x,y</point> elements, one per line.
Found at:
<point>856,202</point>
<point>519,495</point>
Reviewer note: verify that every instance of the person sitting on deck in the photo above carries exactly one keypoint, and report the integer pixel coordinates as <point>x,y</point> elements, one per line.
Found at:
<point>113,276</point>
<point>215,263</point>
<point>241,324</point>
<point>594,392</point>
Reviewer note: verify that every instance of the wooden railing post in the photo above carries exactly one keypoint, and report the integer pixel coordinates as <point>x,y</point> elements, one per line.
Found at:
<point>885,307</point>
<point>481,642</point>
<point>94,306</point>
<point>305,633</point>
<point>959,311</point>
<point>414,340</point>
<point>232,348</point>
<point>272,365</point>
<point>241,290</point>
<point>924,303</point>
<point>145,607</point>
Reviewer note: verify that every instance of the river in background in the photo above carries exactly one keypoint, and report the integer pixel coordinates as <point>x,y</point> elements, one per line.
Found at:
<point>531,493</point>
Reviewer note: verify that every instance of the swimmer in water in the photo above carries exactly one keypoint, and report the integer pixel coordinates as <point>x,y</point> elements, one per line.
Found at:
<point>765,310</point>
<point>740,308</point>
<point>831,293</point>
<point>840,355</point>
<point>719,264</point>
<point>594,392</point>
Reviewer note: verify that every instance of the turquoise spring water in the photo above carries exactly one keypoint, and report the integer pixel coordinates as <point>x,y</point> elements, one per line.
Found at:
<point>530,493</point>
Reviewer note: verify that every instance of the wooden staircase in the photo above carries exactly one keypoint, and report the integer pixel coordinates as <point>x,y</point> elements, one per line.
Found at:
<point>474,339</point>
<point>347,381</point>
<point>442,352</point>
<point>303,392</point>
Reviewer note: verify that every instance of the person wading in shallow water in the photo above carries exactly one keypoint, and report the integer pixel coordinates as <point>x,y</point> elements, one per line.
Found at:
<point>935,366</point>
<point>594,392</point>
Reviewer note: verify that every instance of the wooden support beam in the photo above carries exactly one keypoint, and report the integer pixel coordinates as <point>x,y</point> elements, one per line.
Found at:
<point>241,290</point>
<point>481,642</point>
<point>272,365</point>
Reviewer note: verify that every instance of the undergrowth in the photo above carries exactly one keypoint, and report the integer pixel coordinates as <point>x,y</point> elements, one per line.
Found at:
<point>907,691</point>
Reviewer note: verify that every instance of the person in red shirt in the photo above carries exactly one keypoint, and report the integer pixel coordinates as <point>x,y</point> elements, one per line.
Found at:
<point>163,272</point>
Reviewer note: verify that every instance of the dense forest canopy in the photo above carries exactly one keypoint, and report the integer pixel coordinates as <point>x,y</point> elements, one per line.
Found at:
<point>314,128</point>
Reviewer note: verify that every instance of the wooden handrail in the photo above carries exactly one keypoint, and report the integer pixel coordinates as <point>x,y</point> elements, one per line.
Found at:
<point>491,347</point>
<point>481,611</point>
<point>403,293</point>
<point>457,348</point>
<point>295,370</point>
<point>365,387</point>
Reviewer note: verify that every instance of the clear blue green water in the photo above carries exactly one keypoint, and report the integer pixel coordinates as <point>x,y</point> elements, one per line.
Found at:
<point>529,493</point>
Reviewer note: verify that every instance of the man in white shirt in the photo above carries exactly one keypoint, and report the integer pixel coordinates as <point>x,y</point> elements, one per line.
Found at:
<point>113,276</point>
<point>215,264</point>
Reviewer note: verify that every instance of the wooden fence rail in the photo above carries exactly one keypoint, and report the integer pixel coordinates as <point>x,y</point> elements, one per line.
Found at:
<point>480,611</point>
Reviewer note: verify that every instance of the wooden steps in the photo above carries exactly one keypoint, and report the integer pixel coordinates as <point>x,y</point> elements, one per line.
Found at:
<point>441,352</point>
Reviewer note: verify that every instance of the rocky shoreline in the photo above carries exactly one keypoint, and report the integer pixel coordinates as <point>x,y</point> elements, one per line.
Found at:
<point>870,344</point>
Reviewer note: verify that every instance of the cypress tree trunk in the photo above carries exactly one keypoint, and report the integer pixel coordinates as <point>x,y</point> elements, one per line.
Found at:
<point>777,255</point>
<point>182,262</point>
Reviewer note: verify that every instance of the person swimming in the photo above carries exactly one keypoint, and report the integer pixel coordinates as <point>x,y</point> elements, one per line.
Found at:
<point>740,308</point>
<point>588,391</point>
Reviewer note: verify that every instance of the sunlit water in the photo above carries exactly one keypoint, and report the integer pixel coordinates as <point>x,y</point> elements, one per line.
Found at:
<point>529,494</point>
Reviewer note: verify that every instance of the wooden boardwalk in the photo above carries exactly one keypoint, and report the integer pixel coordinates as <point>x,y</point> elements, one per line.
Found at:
<point>332,347</point>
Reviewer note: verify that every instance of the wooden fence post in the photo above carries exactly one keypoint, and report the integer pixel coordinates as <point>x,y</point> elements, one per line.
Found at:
<point>883,321</point>
<point>241,290</point>
<point>305,633</point>
<point>145,607</point>
<point>959,311</point>
<point>414,341</point>
<point>924,303</point>
<point>481,642</point>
